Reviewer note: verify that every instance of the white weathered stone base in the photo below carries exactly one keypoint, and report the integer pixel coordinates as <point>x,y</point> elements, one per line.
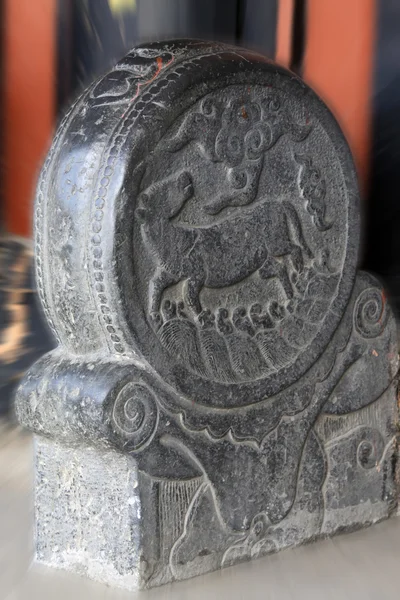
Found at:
<point>87,512</point>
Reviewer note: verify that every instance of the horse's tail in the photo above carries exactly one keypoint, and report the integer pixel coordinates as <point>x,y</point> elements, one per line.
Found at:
<point>296,224</point>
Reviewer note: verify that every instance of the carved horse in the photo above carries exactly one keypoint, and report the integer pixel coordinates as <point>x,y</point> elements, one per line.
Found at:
<point>220,254</point>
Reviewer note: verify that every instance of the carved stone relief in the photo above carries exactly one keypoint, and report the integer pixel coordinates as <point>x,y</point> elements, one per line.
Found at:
<point>197,235</point>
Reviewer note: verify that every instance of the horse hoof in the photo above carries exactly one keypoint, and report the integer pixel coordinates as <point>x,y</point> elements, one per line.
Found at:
<point>206,319</point>
<point>156,319</point>
<point>180,309</point>
<point>168,310</point>
<point>277,311</point>
<point>291,305</point>
<point>224,325</point>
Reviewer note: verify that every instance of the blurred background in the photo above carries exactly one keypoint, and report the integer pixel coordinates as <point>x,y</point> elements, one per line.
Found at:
<point>347,50</point>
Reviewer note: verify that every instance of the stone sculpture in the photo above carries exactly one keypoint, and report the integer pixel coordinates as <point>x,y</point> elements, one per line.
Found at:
<point>225,380</point>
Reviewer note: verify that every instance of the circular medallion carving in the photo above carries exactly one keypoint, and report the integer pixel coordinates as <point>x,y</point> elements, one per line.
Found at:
<point>236,227</point>
<point>219,204</point>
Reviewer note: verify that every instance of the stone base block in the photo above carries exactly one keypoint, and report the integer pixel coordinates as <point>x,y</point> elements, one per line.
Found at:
<point>98,515</point>
<point>88,513</point>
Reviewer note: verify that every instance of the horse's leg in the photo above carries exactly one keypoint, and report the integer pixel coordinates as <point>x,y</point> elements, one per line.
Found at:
<point>293,218</point>
<point>160,280</point>
<point>296,254</point>
<point>194,286</point>
<point>285,280</point>
<point>272,268</point>
<point>283,247</point>
<point>279,245</point>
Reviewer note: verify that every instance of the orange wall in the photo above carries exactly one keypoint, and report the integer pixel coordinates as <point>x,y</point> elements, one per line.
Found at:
<point>338,64</point>
<point>283,54</point>
<point>29,56</point>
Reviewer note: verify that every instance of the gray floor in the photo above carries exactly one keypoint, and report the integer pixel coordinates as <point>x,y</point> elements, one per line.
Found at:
<point>363,565</point>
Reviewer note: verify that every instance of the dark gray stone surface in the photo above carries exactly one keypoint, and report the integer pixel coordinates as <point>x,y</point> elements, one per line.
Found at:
<point>225,380</point>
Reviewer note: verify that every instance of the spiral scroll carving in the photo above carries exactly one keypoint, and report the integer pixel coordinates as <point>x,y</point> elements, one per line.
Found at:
<point>135,415</point>
<point>370,313</point>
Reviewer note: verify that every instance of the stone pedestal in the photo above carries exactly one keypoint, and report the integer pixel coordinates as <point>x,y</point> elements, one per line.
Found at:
<point>225,381</point>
